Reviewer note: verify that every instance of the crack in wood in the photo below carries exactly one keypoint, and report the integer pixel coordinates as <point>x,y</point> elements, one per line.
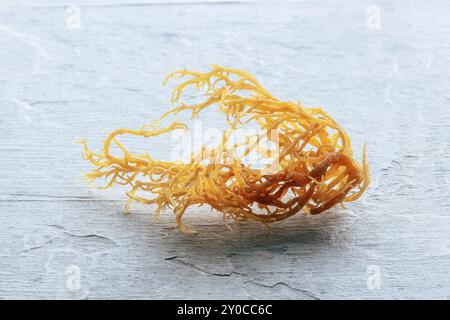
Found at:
<point>179,261</point>
<point>281,283</point>
<point>96,236</point>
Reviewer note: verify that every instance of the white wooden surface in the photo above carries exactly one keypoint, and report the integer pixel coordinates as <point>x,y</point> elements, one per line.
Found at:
<point>388,87</point>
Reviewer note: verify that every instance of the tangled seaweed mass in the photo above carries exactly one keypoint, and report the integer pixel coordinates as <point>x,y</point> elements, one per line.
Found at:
<point>315,169</point>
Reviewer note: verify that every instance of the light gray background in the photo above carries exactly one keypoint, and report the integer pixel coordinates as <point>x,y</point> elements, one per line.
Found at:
<point>387,87</point>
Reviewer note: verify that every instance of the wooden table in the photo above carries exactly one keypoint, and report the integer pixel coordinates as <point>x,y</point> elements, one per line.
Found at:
<point>381,70</point>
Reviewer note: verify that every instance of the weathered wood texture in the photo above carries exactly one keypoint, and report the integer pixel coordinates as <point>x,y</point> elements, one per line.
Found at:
<point>388,87</point>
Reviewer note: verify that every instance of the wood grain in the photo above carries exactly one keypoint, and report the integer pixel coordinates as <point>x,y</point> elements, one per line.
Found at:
<point>388,87</point>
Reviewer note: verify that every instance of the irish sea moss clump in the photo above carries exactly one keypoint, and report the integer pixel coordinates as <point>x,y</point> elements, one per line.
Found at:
<point>312,168</point>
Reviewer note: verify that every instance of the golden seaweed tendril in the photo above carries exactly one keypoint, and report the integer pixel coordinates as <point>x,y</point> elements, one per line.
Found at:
<point>315,167</point>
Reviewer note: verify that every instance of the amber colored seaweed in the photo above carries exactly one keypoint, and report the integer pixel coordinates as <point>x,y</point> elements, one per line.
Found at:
<point>315,166</point>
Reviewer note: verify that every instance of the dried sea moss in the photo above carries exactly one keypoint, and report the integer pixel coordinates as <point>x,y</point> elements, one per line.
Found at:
<point>312,168</point>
